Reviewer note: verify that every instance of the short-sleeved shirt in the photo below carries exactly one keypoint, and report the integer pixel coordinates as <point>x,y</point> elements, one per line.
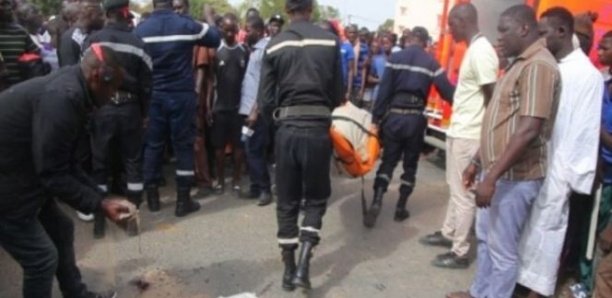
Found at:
<point>478,68</point>
<point>14,41</point>
<point>250,84</point>
<point>348,55</point>
<point>377,69</point>
<point>361,55</point>
<point>230,65</point>
<point>530,87</point>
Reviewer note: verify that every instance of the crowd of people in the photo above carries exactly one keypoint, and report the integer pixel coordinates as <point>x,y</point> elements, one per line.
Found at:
<point>94,101</point>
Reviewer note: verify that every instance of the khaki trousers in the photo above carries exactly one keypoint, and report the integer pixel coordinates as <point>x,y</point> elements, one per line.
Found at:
<point>462,206</point>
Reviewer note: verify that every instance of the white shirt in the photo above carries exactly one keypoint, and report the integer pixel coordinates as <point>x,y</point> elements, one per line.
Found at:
<point>250,83</point>
<point>574,143</point>
<point>479,67</point>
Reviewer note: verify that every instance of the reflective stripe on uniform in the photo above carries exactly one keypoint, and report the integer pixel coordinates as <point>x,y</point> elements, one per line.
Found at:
<point>406,183</point>
<point>135,186</point>
<point>301,44</point>
<point>413,68</point>
<point>288,241</point>
<point>169,38</point>
<point>103,187</point>
<point>129,49</point>
<point>310,229</point>
<point>185,173</point>
<point>384,177</point>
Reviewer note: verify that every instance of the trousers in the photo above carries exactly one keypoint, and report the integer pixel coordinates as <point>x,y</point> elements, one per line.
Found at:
<point>402,137</point>
<point>174,113</point>
<point>256,147</point>
<point>43,246</point>
<point>303,157</point>
<point>461,206</point>
<point>498,232</point>
<point>119,126</point>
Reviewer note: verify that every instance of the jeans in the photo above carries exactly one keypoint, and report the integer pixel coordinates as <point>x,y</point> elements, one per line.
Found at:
<point>498,232</point>
<point>303,158</point>
<point>172,112</point>
<point>256,147</point>
<point>44,246</point>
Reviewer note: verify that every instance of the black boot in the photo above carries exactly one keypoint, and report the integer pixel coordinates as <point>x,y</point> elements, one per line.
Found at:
<point>370,218</point>
<point>289,261</point>
<point>401,213</point>
<point>302,273</point>
<point>184,203</point>
<point>153,198</point>
<point>99,225</point>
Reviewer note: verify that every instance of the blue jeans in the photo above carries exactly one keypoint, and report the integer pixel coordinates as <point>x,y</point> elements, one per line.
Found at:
<point>498,232</point>
<point>256,147</point>
<point>172,112</point>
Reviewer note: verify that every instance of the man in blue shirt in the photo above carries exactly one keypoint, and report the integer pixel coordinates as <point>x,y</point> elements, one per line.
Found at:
<point>169,39</point>
<point>360,47</point>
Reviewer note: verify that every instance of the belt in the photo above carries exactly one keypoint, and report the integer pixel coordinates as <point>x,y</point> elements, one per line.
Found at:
<point>122,97</point>
<point>406,111</point>
<point>301,111</point>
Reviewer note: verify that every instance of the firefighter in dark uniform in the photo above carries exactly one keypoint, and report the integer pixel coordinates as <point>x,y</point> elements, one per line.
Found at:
<point>169,39</point>
<point>398,110</point>
<point>40,123</point>
<point>301,83</point>
<point>120,123</point>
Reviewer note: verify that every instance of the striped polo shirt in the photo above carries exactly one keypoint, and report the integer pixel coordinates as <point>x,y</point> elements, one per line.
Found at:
<point>14,41</point>
<point>530,87</point>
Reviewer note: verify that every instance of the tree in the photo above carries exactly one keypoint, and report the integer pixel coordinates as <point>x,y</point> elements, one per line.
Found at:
<point>387,26</point>
<point>327,12</point>
<point>220,6</point>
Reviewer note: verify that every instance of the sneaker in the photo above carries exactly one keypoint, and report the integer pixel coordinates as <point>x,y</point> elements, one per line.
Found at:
<point>579,291</point>
<point>451,260</point>
<point>85,217</point>
<point>436,239</point>
<point>219,189</point>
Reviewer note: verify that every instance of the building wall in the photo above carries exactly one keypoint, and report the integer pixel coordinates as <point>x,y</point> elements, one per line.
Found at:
<point>425,13</point>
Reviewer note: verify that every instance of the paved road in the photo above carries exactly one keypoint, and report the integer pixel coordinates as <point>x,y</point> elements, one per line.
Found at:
<point>229,248</point>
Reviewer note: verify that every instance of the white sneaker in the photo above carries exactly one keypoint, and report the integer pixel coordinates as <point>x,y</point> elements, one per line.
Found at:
<point>85,217</point>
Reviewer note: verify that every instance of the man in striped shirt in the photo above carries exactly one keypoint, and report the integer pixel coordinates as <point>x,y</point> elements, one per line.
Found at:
<point>516,126</point>
<point>14,42</point>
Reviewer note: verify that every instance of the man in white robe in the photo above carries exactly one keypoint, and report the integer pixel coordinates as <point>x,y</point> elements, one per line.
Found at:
<point>572,158</point>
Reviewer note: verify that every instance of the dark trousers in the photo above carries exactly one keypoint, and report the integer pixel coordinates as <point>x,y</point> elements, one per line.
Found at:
<point>402,136</point>
<point>173,111</point>
<point>256,153</point>
<point>302,171</point>
<point>43,247</point>
<point>119,126</point>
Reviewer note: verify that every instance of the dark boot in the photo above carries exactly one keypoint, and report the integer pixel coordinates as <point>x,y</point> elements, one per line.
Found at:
<point>99,225</point>
<point>184,203</point>
<point>153,198</point>
<point>401,213</point>
<point>289,261</point>
<point>370,218</point>
<point>302,273</point>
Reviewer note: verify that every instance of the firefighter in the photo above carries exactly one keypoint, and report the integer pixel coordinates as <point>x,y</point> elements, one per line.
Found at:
<point>169,38</point>
<point>301,83</point>
<point>120,122</point>
<point>398,111</point>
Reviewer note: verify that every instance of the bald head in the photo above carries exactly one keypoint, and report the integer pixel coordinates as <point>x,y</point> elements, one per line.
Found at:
<point>463,22</point>
<point>465,12</point>
<point>103,74</point>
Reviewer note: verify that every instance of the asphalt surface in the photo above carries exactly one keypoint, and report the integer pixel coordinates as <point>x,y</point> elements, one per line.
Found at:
<point>229,248</point>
